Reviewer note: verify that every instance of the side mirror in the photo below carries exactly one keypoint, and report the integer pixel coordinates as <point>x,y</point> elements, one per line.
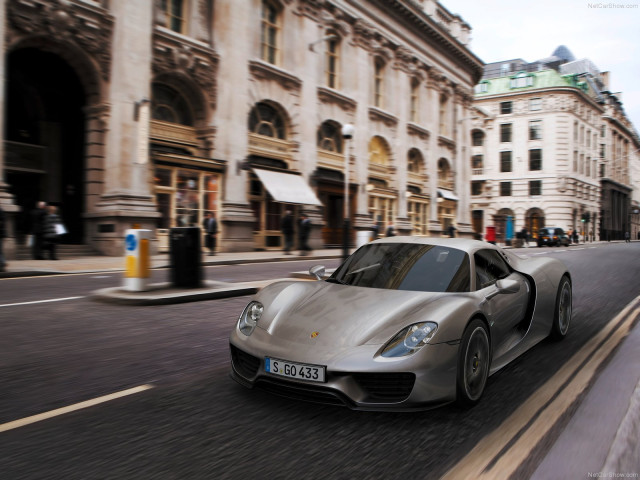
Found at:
<point>317,271</point>
<point>504,286</point>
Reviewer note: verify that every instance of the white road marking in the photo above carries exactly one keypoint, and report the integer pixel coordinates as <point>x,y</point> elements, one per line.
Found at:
<point>71,408</point>
<point>500,453</point>
<point>40,301</point>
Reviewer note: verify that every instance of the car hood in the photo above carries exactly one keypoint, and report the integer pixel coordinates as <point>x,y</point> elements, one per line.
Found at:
<point>322,313</point>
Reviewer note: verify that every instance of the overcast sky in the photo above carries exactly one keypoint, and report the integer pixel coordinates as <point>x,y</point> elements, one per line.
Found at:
<point>597,30</point>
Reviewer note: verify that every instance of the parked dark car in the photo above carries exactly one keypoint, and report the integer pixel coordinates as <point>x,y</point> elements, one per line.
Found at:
<point>552,237</point>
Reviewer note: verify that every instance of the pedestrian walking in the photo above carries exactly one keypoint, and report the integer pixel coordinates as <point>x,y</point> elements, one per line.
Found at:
<point>287,229</point>
<point>627,237</point>
<point>3,234</point>
<point>452,231</point>
<point>524,235</point>
<point>391,231</point>
<point>210,226</point>
<point>52,230</point>
<point>38,216</point>
<point>303,234</point>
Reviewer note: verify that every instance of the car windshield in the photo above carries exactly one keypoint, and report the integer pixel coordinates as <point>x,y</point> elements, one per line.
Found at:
<point>406,266</point>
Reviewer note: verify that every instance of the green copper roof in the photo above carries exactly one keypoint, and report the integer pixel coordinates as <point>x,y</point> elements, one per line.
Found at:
<point>529,81</point>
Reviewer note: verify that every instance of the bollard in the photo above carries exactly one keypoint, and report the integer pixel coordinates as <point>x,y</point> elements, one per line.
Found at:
<point>137,259</point>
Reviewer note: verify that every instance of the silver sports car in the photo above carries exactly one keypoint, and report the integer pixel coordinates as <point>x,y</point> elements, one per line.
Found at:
<point>403,323</point>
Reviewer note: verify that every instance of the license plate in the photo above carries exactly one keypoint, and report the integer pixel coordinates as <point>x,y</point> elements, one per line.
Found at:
<point>301,371</point>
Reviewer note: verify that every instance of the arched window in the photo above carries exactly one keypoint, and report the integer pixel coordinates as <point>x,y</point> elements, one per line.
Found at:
<point>378,151</point>
<point>270,32</point>
<point>266,120</point>
<point>444,174</point>
<point>329,137</point>
<point>477,138</point>
<point>169,105</point>
<point>414,161</point>
<point>378,82</point>
<point>332,61</point>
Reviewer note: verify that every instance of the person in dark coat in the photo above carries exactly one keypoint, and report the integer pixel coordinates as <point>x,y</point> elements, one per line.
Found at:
<point>452,231</point>
<point>287,230</point>
<point>210,226</point>
<point>303,234</point>
<point>3,234</point>
<point>37,230</point>
<point>50,231</point>
<point>391,231</point>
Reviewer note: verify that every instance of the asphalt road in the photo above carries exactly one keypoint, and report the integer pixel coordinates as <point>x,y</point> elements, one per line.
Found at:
<point>197,423</point>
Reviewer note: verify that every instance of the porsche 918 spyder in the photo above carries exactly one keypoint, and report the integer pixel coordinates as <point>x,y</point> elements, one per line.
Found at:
<point>404,323</point>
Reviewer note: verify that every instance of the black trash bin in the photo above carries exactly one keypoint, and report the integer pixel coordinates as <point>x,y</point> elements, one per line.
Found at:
<point>186,257</point>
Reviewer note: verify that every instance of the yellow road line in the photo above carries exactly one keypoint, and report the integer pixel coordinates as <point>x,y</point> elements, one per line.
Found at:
<point>500,453</point>
<point>71,408</point>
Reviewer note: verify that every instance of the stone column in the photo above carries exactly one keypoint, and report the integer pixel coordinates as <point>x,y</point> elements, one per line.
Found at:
<point>433,93</point>
<point>6,199</point>
<point>233,20</point>
<point>127,201</point>
<point>463,162</point>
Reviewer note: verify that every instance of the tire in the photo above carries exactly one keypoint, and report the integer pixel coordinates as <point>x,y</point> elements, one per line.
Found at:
<point>474,360</point>
<point>562,311</point>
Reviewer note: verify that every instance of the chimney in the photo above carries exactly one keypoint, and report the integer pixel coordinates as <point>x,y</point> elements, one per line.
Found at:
<point>604,76</point>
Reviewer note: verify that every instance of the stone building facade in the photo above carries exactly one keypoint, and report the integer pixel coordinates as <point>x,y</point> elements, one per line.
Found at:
<point>154,113</point>
<point>551,146</point>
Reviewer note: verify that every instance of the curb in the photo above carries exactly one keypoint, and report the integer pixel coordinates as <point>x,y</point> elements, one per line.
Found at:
<point>165,293</point>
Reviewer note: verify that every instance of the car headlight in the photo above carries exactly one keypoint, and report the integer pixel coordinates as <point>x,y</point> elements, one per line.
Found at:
<point>410,340</point>
<point>249,317</point>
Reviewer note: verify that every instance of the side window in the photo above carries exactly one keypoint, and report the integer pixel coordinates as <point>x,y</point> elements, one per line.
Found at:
<point>490,267</point>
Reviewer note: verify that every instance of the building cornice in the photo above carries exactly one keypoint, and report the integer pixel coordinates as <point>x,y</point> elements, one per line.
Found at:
<point>412,15</point>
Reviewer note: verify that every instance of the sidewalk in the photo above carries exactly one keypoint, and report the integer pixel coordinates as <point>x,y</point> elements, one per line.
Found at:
<point>25,268</point>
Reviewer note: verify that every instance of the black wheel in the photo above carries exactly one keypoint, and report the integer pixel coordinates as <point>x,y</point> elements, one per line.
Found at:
<point>474,358</point>
<point>562,312</point>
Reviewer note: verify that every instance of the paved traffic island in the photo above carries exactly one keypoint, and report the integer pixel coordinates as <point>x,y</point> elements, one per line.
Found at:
<point>165,293</point>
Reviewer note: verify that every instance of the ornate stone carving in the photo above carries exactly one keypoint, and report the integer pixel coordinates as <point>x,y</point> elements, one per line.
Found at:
<point>194,60</point>
<point>326,95</point>
<point>265,71</point>
<point>88,26</point>
<point>377,115</point>
<point>418,131</point>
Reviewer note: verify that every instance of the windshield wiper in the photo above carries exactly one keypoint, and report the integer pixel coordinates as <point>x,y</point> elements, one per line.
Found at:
<point>368,267</point>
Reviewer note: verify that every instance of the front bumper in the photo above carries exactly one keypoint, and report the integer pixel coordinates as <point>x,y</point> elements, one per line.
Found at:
<point>355,377</point>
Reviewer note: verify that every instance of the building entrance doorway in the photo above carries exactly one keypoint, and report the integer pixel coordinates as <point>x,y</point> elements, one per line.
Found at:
<point>45,140</point>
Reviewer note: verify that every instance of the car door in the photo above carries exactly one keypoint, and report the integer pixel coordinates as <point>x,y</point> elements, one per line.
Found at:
<point>505,311</point>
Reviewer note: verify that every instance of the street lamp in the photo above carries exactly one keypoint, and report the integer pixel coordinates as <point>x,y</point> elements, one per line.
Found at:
<point>347,134</point>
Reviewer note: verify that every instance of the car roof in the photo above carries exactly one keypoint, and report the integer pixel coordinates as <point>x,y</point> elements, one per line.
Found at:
<point>466,244</point>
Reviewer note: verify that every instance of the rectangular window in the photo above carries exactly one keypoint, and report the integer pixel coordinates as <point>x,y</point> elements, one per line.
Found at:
<point>270,32</point>
<point>505,132</point>
<point>476,188</point>
<point>535,159</point>
<point>505,189</point>
<point>414,100</point>
<point>535,130</point>
<point>535,188</point>
<point>332,57</point>
<point>535,104</point>
<point>603,131</point>
<point>505,107</point>
<point>575,161</point>
<point>505,162</point>
<point>602,150</point>
<point>477,165</point>
<point>378,85</point>
<point>174,14</point>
